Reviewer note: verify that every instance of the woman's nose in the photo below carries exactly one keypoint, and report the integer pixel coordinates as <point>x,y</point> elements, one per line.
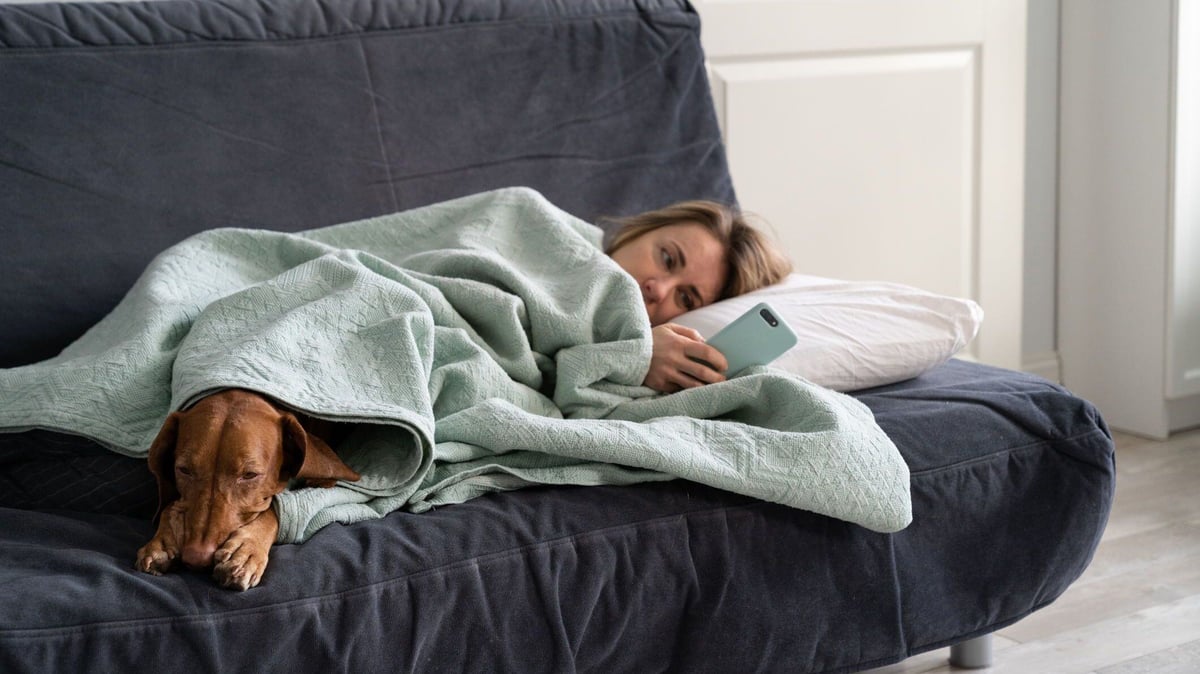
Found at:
<point>653,290</point>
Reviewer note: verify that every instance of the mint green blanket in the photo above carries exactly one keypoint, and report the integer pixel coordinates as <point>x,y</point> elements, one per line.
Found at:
<point>484,343</point>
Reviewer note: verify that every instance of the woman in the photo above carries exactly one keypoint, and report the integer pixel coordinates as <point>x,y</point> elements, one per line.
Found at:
<point>683,257</point>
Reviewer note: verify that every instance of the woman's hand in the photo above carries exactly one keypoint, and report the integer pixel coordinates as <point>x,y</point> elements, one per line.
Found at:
<point>672,367</point>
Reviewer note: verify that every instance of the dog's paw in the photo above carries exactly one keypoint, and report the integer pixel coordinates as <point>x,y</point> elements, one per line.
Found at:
<point>240,563</point>
<point>155,558</point>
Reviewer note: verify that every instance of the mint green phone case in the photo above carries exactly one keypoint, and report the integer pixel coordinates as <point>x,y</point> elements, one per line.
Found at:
<point>757,337</point>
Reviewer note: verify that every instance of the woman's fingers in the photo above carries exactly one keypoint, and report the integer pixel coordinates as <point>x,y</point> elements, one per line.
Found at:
<point>682,360</point>
<point>705,374</point>
<point>685,331</point>
<point>707,354</point>
<point>691,372</point>
<point>696,348</point>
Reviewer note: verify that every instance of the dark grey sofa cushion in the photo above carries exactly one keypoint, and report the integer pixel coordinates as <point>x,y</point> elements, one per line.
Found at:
<point>127,127</point>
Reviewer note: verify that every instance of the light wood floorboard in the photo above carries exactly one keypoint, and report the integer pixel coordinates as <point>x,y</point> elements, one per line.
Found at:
<point>1136,609</point>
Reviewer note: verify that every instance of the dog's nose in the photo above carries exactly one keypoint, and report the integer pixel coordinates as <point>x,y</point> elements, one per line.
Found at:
<point>198,555</point>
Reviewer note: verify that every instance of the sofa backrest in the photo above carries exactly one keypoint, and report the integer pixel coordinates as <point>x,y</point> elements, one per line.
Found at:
<point>126,127</point>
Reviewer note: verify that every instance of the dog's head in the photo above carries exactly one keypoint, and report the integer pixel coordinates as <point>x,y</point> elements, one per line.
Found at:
<point>225,459</point>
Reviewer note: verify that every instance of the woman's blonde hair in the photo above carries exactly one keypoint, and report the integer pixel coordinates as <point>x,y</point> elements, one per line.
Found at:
<point>753,260</point>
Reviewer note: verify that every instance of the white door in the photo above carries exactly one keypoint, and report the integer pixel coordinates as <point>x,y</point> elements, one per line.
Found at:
<point>883,140</point>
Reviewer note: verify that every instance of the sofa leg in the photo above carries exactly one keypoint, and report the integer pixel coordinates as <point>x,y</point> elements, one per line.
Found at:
<point>972,654</point>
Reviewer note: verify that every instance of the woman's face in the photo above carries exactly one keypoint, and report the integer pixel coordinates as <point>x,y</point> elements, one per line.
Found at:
<point>678,267</point>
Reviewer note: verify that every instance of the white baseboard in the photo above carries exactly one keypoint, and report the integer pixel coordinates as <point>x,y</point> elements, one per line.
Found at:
<point>1044,364</point>
<point>1184,413</point>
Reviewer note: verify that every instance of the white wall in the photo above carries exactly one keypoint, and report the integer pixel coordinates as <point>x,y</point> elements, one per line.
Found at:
<point>884,140</point>
<point>1033,313</point>
<point>1183,352</point>
<point>1128,329</point>
<point>1039,341</point>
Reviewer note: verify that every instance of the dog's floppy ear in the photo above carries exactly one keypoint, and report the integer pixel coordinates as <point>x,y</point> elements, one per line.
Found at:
<point>309,458</point>
<point>162,462</point>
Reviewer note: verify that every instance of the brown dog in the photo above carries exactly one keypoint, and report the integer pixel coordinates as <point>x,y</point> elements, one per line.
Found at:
<point>219,465</point>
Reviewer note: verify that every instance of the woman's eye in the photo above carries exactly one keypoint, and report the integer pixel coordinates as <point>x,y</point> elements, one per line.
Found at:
<point>667,259</point>
<point>687,302</point>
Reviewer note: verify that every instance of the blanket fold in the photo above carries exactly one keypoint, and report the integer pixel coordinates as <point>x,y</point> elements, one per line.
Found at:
<point>481,344</point>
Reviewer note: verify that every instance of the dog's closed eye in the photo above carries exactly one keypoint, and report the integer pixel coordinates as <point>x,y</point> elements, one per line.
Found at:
<point>219,465</point>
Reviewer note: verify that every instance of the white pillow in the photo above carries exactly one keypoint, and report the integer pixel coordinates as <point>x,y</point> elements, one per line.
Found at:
<point>854,334</point>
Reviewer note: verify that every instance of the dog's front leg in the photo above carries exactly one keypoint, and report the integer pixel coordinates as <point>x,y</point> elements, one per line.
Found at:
<point>157,556</point>
<point>242,558</point>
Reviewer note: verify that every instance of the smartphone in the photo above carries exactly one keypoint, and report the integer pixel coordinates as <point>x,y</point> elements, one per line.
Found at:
<point>757,337</point>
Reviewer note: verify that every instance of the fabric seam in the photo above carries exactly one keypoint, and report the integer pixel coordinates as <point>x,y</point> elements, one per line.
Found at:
<point>223,615</point>
<point>361,33</point>
<point>1013,450</point>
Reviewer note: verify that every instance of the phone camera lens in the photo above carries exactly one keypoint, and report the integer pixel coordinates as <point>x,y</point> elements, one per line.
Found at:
<point>769,318</point>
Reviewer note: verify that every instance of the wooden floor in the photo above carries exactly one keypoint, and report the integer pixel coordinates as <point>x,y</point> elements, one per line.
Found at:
<point>1137,607</point>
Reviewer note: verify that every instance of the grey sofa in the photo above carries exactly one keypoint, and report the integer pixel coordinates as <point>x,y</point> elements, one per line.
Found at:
<point>126,127</point>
